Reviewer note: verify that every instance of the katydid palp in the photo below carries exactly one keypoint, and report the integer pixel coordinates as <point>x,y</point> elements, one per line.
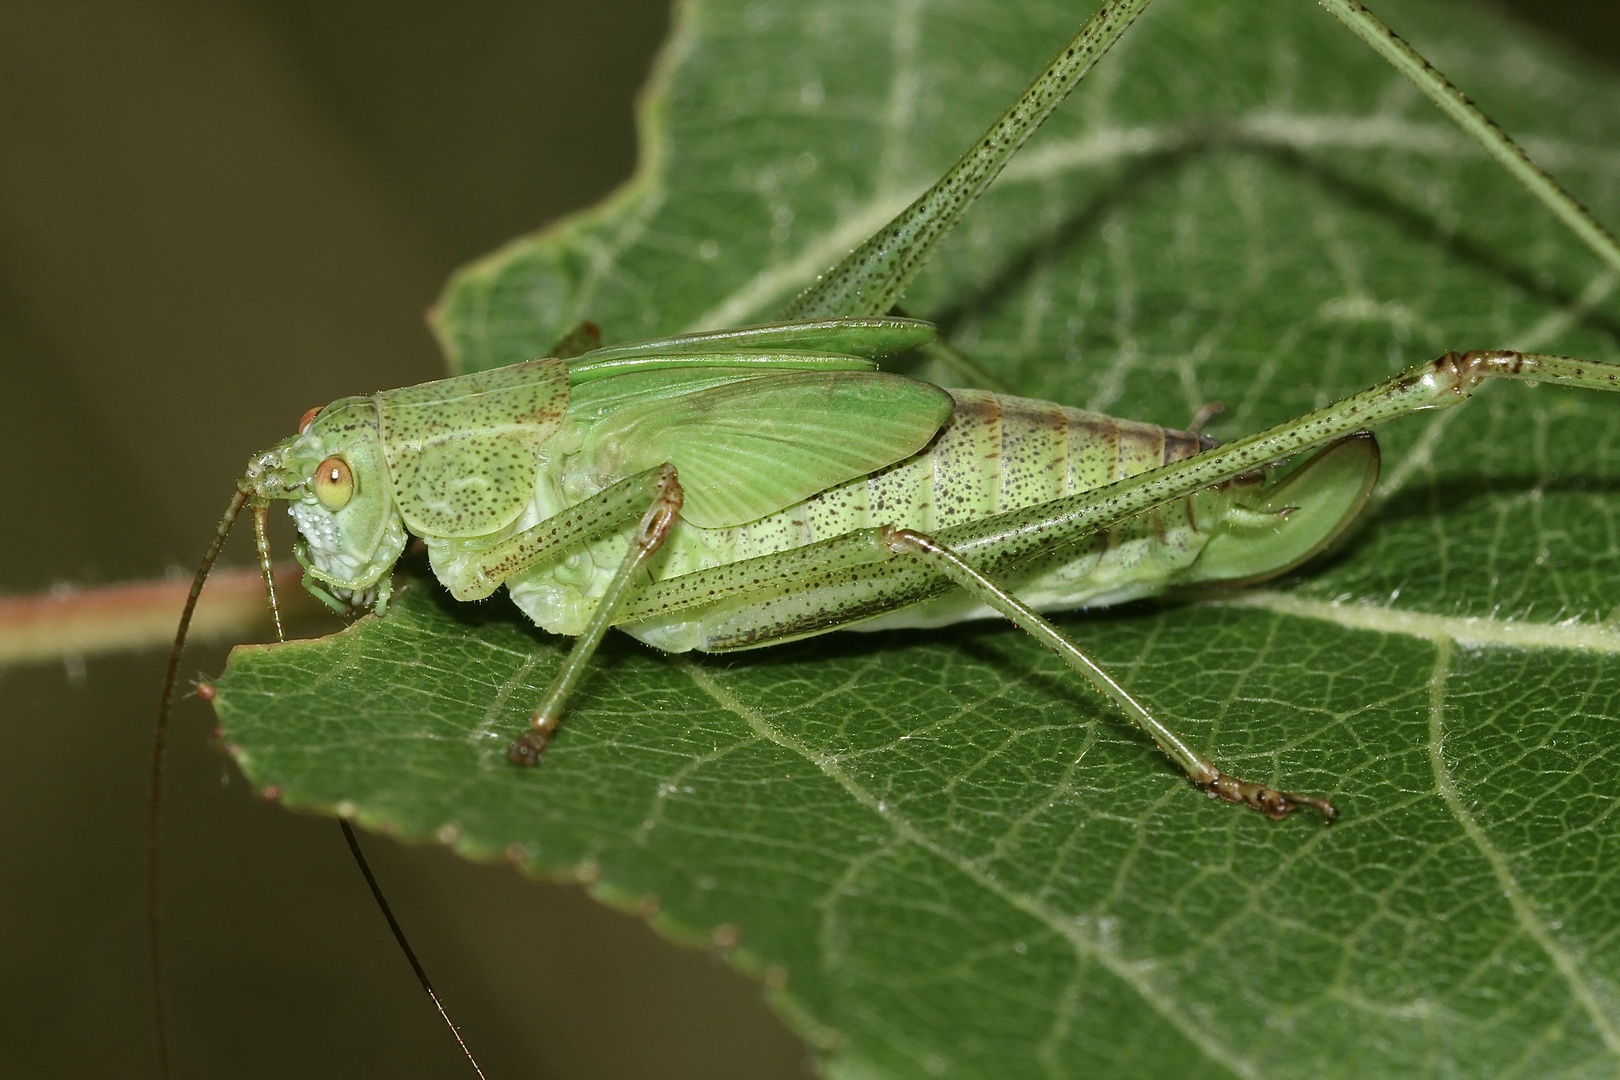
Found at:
<point>532,477</point>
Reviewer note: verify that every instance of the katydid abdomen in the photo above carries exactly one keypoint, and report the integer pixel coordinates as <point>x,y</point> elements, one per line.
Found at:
<point>994,453</point>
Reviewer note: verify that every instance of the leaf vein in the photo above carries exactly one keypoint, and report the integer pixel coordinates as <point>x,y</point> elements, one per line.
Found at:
<point>1524,911</point>
<point>1470,631</point>
<point>1136,975</point>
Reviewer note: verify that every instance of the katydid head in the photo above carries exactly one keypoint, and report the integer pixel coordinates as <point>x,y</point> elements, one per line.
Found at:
<point>334,475</point>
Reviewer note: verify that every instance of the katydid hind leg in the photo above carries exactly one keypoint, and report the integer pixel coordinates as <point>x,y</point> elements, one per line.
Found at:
<point>1273,802</point>
<point>785,596</point>
<point>868,584</point>
<point>1440,383</point>
<point>648,538</point>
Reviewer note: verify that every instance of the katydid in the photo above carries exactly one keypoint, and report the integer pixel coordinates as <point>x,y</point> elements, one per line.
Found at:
<point>729,490</point>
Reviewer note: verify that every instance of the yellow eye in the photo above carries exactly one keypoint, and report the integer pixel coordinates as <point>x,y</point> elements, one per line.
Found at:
<point>333,483</point>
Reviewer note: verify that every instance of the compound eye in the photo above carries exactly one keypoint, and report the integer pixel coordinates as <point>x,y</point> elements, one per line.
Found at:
<point>308,419</point>
<point>334,483</point>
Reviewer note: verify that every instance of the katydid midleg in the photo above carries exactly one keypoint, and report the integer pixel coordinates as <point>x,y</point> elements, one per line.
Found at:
<point>720,491</point>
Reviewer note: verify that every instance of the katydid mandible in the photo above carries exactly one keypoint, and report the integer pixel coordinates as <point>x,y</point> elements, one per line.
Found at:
<point>737,489</point>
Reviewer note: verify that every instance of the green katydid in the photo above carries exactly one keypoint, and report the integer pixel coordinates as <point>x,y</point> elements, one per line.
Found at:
<point>535,477</point>
<point>784,484</point>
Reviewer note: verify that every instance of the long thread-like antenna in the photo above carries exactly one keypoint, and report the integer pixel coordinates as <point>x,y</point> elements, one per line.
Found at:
<point>405,945</point>
<point>263,545</point>
<point>154,803</point>
<point>154,810</point>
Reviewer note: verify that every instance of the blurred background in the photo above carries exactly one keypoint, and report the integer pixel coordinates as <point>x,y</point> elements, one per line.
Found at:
<point>214,215</point>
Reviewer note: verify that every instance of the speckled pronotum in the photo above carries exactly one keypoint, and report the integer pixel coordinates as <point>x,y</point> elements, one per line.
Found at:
<point>740,488</point>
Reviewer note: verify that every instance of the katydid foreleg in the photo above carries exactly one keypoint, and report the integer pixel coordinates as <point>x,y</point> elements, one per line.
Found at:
<point>649,537</point>
<point>472,573</point>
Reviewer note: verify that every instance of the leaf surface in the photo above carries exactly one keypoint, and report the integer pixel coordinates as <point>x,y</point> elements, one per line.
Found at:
<point>947,857</point>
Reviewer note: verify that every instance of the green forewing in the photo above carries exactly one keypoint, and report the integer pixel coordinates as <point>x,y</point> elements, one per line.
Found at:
<point>750,447</point>
<point>463,453</point>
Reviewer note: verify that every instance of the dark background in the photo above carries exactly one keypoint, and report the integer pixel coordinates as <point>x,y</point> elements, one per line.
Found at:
<point>213,216</point>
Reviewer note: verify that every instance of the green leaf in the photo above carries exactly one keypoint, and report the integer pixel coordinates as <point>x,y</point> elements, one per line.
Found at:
<point>944,855</point>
